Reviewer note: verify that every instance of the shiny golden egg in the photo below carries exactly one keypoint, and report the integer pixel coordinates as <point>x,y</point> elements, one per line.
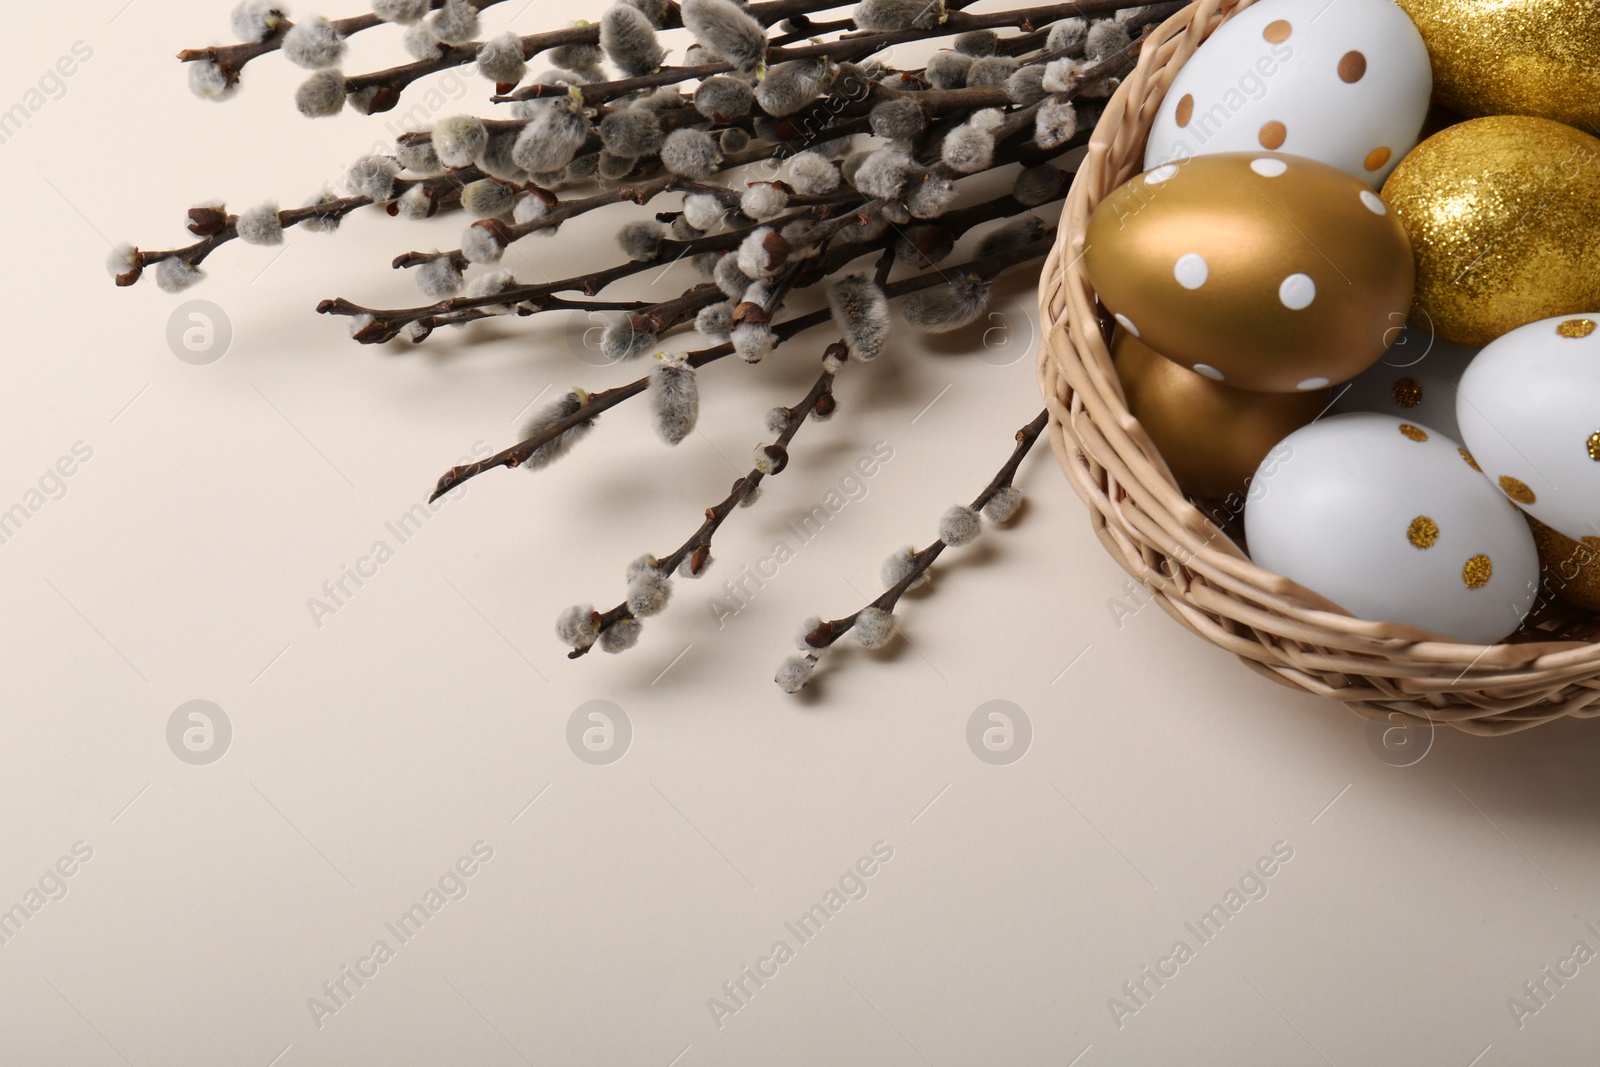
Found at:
<point>1212,436</point>
<point>1260,270</point>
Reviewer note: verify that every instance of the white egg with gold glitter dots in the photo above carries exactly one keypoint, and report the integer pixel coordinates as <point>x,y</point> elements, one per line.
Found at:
<point>1387,519</point>
<point>1415,379</point>
<point>1529,408</point>
<point>1346,83</point>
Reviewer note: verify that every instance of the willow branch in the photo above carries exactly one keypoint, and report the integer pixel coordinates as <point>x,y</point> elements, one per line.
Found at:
<point>717,514</point>
<point>445,189</point>
<point>602,401</point>
<point>829,632</point>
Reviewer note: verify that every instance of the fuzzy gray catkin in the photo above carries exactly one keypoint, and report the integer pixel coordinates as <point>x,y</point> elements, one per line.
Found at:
<point>715,321</point>
<point>948,70</point>
<point>577,626</point>
<point>674,398</point>
<point>456,22</point>
<point>881,16</point>
<point>632,132</point>
<point>1003,505</point>
<point>619,340</point>
<point>321,95</point>
<point>256,20</point>
<point>959,526</point>
<point>260,226</point>
<point>721,98</point>
<point>620,635</point>
<point>947,307</point>
<point>548,416</point>
<point>790,86</point>
<point>726,29</point>
<point>812,174</point>
<point>884,173</point>
<point>861,311</point>
<point>500,60</point>
<point>551,139</point>
<point>459,140</point>
<point>795,672</point>
<point>640,240</point>
<point>1012,234</point>
<point>897,120</point>
<point>439,278</point>
<point>629,41</point>
<point>313,43</point>
<point>690,153</point>
<point>873,628</point>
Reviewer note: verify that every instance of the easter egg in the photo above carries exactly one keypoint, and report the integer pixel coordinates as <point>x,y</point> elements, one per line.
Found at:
<point>1415,380</point>
<point>1263,271</point>
<point>1571,569</point>
<point>1384,518</point>
<point>1212,436</point>
<point>1347,84</point>
<point>1530,57</point>
<point>1529,408</point>
<point>1504,217</point>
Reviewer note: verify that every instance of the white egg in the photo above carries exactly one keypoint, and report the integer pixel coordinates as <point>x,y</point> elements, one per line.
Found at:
<point>1387,519</point>
<point>1344,82</point>
<point>1529,408</point>
<point>1415,379</point>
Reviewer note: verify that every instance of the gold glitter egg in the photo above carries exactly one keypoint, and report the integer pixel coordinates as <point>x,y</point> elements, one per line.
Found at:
<point>1212,436</point>
<point>1263,271</point>
<point>1503,215</point>
<point>1523,57</point>
<point>1571,569</point>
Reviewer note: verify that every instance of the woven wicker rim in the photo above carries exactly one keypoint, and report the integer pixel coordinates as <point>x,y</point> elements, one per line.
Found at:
<point>1381,671</point>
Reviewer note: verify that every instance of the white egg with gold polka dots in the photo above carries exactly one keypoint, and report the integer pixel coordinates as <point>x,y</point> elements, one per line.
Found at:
<point>1415,379</point>
<point>1345,82</point>
<point>1529,408</point>
<point>1387,519</point>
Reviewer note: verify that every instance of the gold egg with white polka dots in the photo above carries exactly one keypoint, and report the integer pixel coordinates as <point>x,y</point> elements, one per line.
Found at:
<point>1347,84</point>
<point>1264,271</point>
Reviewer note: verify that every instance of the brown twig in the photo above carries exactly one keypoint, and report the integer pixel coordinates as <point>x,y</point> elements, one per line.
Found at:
<point>828,632</point>
<point>445,190</point>
<point>777,455</point>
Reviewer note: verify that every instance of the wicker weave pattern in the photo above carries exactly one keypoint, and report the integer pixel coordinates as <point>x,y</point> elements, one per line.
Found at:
<point>1193,569</point>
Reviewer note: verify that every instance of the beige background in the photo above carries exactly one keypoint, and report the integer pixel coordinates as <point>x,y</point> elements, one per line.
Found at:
<point>430,712</point>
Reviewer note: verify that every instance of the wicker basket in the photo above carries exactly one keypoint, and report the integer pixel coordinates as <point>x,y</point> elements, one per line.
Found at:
<point>1193,567</point>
